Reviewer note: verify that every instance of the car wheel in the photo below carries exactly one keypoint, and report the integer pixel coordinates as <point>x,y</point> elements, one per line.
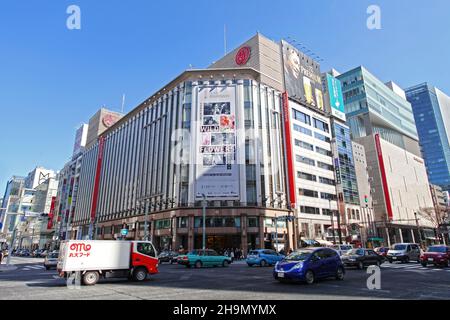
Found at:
<point>340,274</point>
<point>263,263</point>
<point>90,278</point>
<point>198,264</point>
<point>225,263</point>
<point>406,260</point>
<point>360,265</point>
<point>309,277</point>
<point>140,274</point>
<point>447,264</point>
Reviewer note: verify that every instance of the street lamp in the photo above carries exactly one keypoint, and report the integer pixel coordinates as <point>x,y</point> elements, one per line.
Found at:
<point>204,204</point>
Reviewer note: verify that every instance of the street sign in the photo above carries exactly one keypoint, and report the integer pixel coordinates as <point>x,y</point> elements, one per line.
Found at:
<point>124,232</point>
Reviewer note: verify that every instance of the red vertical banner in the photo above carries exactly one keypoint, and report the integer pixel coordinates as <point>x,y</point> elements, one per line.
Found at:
<point>51,214</point>
<point>289,150</point>
<point>387,197</point>
<point>98,171</point>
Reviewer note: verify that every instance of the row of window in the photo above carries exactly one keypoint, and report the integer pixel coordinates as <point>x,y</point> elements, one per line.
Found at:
<point>312,162</point>
<point>314,210</point>
<point>311,177</point>
<point>214,222</point>
<point>310,147</point>
<point>306,119</point>
<point>315,194</point>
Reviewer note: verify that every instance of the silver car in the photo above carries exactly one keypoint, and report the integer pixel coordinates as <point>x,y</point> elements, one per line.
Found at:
<point>51,260</point>
<point>404,252</point>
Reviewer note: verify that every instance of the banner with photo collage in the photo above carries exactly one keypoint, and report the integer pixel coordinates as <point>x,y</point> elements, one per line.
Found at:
<point>217,169</point>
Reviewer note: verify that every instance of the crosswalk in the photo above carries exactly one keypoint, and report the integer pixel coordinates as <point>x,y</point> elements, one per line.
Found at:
<point>32,267</point>
<point>413,267</point>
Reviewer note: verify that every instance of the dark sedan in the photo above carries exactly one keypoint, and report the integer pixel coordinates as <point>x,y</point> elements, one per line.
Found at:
<point>168,256</point>
<point>360,258</point>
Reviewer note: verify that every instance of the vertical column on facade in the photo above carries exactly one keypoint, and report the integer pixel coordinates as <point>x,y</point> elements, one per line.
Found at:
<point>244,238</point>
<point>174,232</point>
<point>177,126</point>
<point>265,143</point>
<point>191,233</point>
<point>261,232</point>
<point>240,121</point>
<point>256,141</point>
<point>192,154</point>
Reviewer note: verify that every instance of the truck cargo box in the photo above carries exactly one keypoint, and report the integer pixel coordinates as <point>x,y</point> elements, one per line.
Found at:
<point>76,255</point>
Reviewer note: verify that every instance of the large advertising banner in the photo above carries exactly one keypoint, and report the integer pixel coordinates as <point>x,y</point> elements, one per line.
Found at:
<point>336,97</point>
<point>302,77</point>
<point>217,174</point>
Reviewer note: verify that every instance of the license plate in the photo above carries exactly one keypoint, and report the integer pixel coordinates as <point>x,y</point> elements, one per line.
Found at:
<point>394,258</point>
<point>280,275</point>
<point>430,259</point>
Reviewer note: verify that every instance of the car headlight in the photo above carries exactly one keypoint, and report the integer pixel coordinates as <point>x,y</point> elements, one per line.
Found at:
<point>276,265</point>
<point>298,266</point>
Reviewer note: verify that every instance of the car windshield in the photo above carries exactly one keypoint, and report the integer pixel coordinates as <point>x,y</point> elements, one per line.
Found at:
<point>437,249</point>
<point>358,252</point>
<point>399,247</point>
<point>298,256</point>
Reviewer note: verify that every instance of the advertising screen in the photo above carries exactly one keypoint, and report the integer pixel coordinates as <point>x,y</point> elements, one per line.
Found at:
<point>217,168</point>
<point>302,77</point>
<point>336,97</point>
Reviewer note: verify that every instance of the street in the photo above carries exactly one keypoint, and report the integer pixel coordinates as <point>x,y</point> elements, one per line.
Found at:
<point>238,282</point>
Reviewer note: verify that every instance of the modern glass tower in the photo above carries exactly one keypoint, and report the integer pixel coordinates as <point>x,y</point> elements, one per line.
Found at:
<point>431,109</point>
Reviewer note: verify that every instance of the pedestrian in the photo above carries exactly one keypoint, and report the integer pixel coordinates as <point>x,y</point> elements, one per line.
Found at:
<point>232,256</point>
<point>1,256</point>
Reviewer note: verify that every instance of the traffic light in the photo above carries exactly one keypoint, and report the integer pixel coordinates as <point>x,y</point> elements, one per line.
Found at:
<point>366,199</point>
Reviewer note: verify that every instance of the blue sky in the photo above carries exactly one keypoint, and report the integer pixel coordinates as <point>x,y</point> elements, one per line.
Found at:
<point>53,79</point>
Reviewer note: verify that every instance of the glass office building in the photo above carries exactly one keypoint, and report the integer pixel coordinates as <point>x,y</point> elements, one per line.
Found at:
<point>431,110</point>
<point>372,107</point>
<point>346,174</point>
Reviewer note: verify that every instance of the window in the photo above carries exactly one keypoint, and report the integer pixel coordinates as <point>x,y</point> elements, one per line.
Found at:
<point>253,222</point>
<point>325,166</point>
<point>146,249</point>
<point>306,176</point>
<point>302,130</point>
<point>304,145</point>
<point>323,151</point>
<point>326,181</point>
<point>183,222</point>
<point>318,124</point>
<point>308,193</point>
<point>327,196</point>
<point>305,160</point>
<point>300,116</point>
<point>309,210</point>
<point>321,137</point>
<point>162,224</point>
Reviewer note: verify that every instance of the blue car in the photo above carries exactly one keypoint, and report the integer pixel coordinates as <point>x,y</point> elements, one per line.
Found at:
<point>309,265</point>
<point>263,257</point>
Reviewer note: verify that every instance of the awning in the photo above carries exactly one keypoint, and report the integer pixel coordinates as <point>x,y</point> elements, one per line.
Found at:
<point>376,239</point>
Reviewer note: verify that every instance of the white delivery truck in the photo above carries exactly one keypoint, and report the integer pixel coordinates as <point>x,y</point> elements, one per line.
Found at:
<point>108,259</point>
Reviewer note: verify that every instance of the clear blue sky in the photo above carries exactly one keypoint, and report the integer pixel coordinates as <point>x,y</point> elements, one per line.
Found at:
<point>53,79</point>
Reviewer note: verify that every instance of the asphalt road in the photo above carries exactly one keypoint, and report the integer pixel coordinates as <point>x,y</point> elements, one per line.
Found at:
<point>238,282</point>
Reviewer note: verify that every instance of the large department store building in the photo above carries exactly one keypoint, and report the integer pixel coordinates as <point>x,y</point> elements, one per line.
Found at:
<point>249,135</point>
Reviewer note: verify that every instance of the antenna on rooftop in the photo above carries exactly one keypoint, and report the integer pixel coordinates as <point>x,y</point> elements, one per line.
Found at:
<point>123,102</point>
<point>225,38</point>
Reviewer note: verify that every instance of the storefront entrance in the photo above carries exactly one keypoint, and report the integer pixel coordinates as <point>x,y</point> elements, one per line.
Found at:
<point>219,242</point>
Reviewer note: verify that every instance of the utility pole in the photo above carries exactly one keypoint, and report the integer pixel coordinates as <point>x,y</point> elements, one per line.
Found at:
<point>418,227</point>
<point>332,222</point>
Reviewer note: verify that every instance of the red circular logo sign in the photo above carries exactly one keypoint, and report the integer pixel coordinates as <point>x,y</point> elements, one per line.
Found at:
<point>243,56</point>
<point>109,120</point>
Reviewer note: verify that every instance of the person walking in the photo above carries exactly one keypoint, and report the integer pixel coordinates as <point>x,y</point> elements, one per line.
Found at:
<point>232,255</point>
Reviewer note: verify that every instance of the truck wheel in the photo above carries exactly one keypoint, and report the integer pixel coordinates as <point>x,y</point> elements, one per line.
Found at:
<point>90,278</point>
<point>140,274</point>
